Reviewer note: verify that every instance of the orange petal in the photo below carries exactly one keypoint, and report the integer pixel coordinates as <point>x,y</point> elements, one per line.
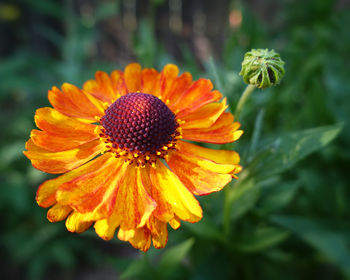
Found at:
<point>94,194</point>
<point>56,143</point>
<point>46,194</point>
<point>181,84</point>
<point>58,213</point>
<point>199,174</point>
<point>53,122</point>
<point>218,156</point>
<point>175,223</point>
<point>126,234</point>
<point>164,211</point>
<point>196,96</point>
<point>118,82</point>
<point>166,81</point>
<point>105,228</point>
<point>139,210</point>
<point>132,76</point>
<point>102,87</point>
<point>141,239</point>
<point>224,130</point>
<point>149,80</point>
<point>73,102</point>
<point>170,190</point>
<point>61,162</point>
<point>133,204</point>
<point>205,116</point>
<point>76,223</point>
<point>159,232</point>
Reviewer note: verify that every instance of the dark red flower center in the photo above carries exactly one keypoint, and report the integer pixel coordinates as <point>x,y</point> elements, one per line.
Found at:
<point>139,123</point>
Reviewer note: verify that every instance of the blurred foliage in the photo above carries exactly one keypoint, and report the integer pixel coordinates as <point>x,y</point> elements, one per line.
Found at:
<point>287,217</point>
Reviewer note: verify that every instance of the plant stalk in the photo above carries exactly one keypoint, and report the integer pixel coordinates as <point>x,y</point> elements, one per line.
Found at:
<point>243,99</point>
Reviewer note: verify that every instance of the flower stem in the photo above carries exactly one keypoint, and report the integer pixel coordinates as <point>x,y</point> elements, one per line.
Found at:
<point>228,190</point>
<point>244,97</point>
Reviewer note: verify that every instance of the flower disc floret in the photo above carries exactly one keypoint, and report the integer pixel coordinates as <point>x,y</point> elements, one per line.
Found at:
<point>139,127</point>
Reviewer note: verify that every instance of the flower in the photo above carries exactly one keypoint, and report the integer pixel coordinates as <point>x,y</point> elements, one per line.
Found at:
<point>262,68</point>
<point>119,143</point>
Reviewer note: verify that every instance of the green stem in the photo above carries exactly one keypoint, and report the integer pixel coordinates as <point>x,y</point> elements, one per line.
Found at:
<point>228,190</point>
<point>244,97</point>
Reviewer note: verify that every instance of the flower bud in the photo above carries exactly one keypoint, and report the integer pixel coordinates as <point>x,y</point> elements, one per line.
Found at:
<point>262,68</point>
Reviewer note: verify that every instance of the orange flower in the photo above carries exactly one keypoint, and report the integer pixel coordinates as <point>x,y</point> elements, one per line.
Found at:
<point>119,143</point>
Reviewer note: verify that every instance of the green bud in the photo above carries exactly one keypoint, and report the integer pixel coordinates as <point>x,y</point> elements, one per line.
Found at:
<point>262,68</point>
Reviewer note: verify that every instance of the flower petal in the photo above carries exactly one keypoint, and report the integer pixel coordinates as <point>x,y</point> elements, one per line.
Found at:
<point>159,232</point>
<point>170,191</point>
<point>181,84</point>
<point>76,223</point>
<point>106,229</point>
<point>132,76</point>
<point>218,156</point>
<point>102,87</point>
<point>58,212</point>
<point>46,194</point>
<point>196,96</point>
<point>141,239</point>
<point>55,123</point>
<point>133,208</point>
<point>224,130</point>
<point>126,234</point>
<point>149,80</point>
<point>199,174</point>
<point>166,81</point>
<point>133,203</point>
<point>56,143</point>
<point>61,162</point>
<point>205,116</point>
<point>175,223</point>
<point>73,102</point>
<point>94,194</point>
<point>119,84</point>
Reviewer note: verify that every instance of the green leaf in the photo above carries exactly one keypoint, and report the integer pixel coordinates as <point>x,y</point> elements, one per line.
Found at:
<point>260,239</point>
<point>173,256</point>
<point>282,153</point>
<point>278,197</point>
<point>243,198</point>
<point>331,243</point>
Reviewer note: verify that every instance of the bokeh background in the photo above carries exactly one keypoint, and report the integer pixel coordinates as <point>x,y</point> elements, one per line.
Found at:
<point>293,226</point>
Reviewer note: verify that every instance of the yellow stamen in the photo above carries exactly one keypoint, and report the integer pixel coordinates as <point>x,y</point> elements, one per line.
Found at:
<point>105,105</point>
